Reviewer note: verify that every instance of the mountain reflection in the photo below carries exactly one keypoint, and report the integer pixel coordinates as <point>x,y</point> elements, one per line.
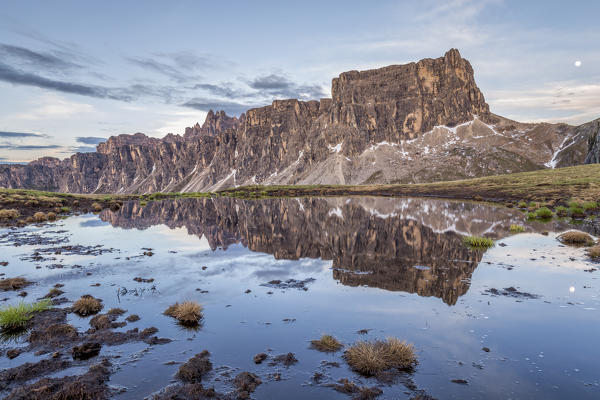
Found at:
<point>409,245</point>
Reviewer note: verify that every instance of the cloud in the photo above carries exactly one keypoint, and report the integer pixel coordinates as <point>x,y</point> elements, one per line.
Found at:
<point>159,67</point>
<point>4,134</point>
<point>51,106</point>
<point>14,76</point>
<point>8,146</point>
<point>223,90</point>
<point>45,61</point>
<point>280,85</point>
<point>230,107</point>
<point>564,102</point>
<point>90,139</point>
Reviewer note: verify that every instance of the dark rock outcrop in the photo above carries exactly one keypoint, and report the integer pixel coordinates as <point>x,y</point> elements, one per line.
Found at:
<point>418,122</point>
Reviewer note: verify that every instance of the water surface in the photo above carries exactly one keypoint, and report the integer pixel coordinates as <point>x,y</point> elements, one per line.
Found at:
<point>396,267</point>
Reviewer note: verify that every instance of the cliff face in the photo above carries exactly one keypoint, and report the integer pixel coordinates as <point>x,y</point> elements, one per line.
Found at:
<point>418,122</point>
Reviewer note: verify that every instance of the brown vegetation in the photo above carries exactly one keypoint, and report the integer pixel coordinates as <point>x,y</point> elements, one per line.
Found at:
<point>372,357</point>
<point>577,238</point>
<point>326,343</point>
<point>187,313</point>
<point>87,305</point>
<point>13,283</point>
<point>195,368</point>
<point>9,214</point>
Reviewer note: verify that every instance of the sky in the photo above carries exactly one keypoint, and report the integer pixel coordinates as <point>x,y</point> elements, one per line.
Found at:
<point>74,73</point>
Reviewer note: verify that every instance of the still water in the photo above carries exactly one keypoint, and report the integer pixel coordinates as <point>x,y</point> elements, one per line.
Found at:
<point>394,267</point>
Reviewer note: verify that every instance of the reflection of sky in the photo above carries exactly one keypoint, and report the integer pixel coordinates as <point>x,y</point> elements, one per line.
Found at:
<point>535,344</point>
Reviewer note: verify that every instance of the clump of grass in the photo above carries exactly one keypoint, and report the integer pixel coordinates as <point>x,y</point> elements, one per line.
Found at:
<point>65,209</point>
<point>16,317</point>
<point>478,242</point>
<point>39,217</point>
<point>9,214</point>
<point>116,311</point>
<point>13,283</point>
<point>51,216</point>
<point>187,313</point>
<point>577,238</point>
<point>514,228</point>
<point>372,357</point>
<point>522,204</point>
<point>561,211</point>
<point>96,207</point>
<point>87,305</point>
<point>590,205</point>
<point>594,252</point>
<point>573,204</point>
<point>143,203</point>
<point>327,343</point>
<point>543,213</point>
<point>576,212</point>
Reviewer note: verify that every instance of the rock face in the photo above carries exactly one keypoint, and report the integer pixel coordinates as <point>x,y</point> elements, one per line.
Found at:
<point>418,122</point>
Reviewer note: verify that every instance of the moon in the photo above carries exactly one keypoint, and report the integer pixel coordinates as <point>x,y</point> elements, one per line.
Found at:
<point>578,63</point>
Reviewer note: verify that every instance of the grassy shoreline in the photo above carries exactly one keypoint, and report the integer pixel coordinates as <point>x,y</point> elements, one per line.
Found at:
<point>554,188</point>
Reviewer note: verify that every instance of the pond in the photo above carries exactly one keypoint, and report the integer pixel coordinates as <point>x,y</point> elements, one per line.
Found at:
<point>520,320</point>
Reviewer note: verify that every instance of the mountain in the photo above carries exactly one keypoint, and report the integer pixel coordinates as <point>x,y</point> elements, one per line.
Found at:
<point>418,122</point>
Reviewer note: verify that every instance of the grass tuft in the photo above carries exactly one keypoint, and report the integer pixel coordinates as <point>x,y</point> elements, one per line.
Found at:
<point>372,357</point>
<point>594,252</point>
<point>87,305</point>
<point>187,313</point>
<point>16,317</point>
<point>514,228</point>
<point>544,213</point>
<point>577,238</point>
<point>327,343</point>
<point>39,217</point>
<point>96,207</point>
<point>13,283</point>
<point>9,214</point>
<point>478,242</point>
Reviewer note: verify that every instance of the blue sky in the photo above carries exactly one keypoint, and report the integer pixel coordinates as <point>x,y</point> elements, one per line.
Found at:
<point>73,73</point>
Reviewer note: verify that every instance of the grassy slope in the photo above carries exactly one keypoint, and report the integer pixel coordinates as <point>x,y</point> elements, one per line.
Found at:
<point>558,185</point>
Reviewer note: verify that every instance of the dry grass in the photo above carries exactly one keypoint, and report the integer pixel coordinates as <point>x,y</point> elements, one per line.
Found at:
<point>13,283</point>
<point>9,214</point>
<point>594,252</point>
<point>96,207</point>
<point>39,217</point>
<point>51,216</point>
<point>372,357</point>
<point>577,238</point>
<point>327,343</point>
<point>187,313</point>
<point>87,305</point>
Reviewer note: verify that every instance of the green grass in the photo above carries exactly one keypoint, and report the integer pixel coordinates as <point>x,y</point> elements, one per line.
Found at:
<point>16,317</point>
<point>544,213</point>
<point>517,228</point>
<point>522,204</point>
<point>590,205</point>
<point>478,242</point>
<point>561,211</point>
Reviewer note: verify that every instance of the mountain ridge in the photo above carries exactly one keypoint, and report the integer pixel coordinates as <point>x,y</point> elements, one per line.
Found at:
<point>419,122</point>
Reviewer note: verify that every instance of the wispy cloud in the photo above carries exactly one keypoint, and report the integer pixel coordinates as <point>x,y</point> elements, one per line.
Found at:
<point>9,146</point>
<point>230,107</point>
<point>90,139</point>
<point>4,134</point>
<point>54,61</point>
